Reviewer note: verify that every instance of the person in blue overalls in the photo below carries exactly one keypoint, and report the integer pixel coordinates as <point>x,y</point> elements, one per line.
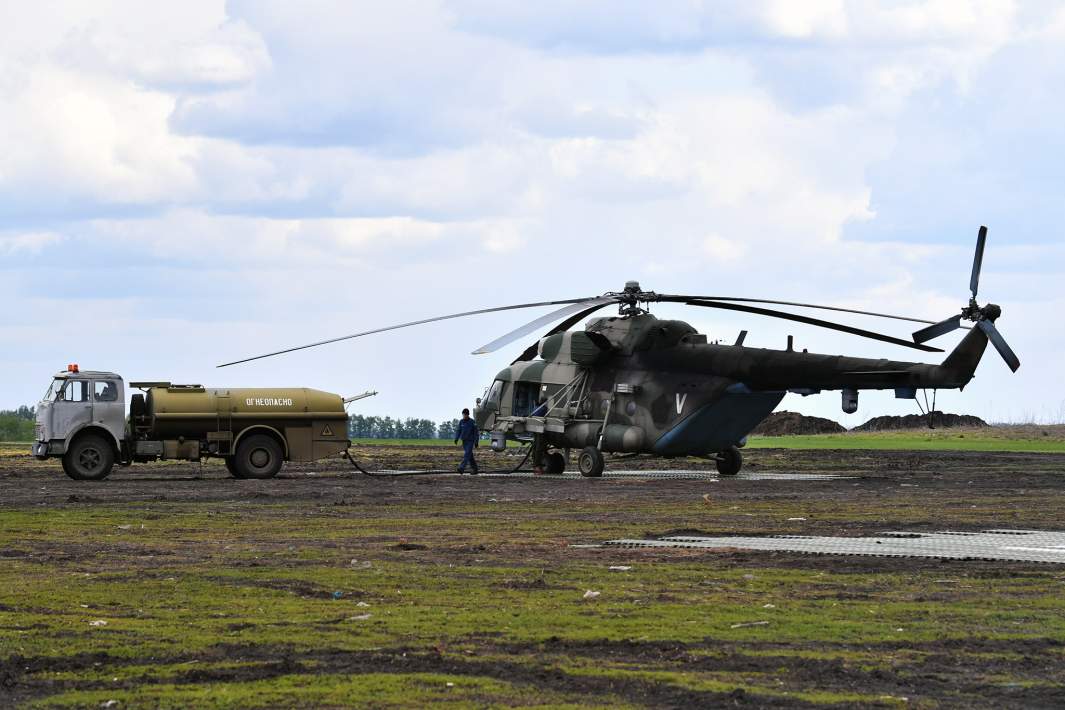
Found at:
<point>468,434</point>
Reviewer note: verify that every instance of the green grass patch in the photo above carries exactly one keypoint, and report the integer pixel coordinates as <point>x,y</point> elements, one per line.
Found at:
<point>402,442</point>
<point>151,593</point>
<point>1006,439</point>
<point>911,440</point>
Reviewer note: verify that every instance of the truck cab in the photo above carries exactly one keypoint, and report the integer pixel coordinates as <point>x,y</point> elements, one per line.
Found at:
<point>82,418</point>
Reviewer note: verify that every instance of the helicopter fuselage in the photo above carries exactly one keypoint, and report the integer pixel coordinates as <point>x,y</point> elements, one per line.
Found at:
<point>637,384</point>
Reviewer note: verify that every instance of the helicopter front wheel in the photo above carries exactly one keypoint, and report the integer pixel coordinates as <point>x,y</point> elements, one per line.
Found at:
<point>729,461</point>
<point>590,462</point>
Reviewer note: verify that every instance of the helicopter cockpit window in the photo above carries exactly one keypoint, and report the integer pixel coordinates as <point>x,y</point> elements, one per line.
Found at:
<point>493,395</point>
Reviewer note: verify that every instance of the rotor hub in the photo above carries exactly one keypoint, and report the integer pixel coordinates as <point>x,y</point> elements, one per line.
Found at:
<point>975,312</point>
<point>630,298</point>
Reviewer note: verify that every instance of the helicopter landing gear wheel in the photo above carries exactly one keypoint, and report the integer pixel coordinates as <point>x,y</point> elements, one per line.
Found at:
<point>590,462</point>
<point>554,463</point>
<point>729,461</point>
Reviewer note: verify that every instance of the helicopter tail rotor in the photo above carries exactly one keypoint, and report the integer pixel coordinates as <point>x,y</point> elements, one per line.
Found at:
<point>983,316</point>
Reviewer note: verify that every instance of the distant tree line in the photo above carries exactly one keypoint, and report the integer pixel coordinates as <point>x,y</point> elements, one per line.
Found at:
<point>17,424</point>
<point>363,427</point>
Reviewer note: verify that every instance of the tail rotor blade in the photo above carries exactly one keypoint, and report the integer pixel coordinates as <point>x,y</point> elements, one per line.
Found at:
<point>934,331</point>
<point>1000,344</point>
<point>978,260</point>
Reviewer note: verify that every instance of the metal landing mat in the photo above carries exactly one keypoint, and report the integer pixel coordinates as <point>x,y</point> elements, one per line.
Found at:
<point>683,474</point>
<point>1017,545</point>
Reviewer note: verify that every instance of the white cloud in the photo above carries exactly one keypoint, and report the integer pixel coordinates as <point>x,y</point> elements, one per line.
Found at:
<point>275,172</point>
<point>27,242</point>
<point>722,250</point>
<point>811,18</point>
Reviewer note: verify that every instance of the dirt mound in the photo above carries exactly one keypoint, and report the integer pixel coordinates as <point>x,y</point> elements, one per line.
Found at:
<point>791,423</point>
<point>940,420</point>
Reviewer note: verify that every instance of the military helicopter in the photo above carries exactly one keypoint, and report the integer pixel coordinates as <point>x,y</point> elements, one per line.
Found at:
<point>636,384</point>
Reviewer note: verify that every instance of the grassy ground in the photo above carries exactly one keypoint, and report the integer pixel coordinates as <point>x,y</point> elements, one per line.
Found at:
<point>202,591</point>
<point>258,607</point>
<point>1004,438</point>
<point>1038,439</point>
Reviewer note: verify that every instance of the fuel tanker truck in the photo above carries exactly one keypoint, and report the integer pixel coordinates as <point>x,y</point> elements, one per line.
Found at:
<point>82,420</point>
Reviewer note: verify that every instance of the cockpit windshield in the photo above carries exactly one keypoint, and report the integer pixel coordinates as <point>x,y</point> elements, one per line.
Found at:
<point>493,394</point>
<point>54,390</point>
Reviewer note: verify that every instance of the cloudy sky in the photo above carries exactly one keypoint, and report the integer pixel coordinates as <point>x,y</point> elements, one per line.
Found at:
<point>188,185</point>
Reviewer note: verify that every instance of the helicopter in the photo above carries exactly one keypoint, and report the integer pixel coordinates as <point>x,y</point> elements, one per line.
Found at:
<point>633,384</point>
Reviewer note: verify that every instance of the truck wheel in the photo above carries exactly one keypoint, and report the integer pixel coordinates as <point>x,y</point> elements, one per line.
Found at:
<point>555,463</point>
<point>231,466</point>
<point>258,456</point>
<point>90,458</point>
<point>729,461</point>
<point>590,462</point>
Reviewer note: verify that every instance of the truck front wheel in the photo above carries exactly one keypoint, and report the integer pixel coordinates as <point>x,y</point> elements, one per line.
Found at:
<point>90,458</point>
<point>258,456</point>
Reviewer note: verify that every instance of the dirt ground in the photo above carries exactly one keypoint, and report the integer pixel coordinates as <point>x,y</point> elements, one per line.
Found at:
<point>484,581</point>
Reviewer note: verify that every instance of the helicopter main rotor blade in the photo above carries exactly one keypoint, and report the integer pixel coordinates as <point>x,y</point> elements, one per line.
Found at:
<point>534,325</point>
<point>792,303</point>
<point>934,331</point>
<point>813,321</point>
<point>530,352</point>
<point>978,260</point>
<point>408,325</point>
<point>1000,343</point>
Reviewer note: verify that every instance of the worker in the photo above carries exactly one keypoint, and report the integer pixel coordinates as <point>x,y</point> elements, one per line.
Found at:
<point>467,432</point>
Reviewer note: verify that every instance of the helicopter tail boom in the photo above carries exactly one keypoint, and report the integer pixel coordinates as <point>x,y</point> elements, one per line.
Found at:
<point>960,365</point>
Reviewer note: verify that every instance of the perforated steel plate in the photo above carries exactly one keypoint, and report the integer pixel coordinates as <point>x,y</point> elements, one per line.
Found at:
<point>692,474</point>
<point>1020,545</point>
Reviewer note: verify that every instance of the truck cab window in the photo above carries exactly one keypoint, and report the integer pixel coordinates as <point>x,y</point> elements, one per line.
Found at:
<point>105,392</point>
<point>76,391</point>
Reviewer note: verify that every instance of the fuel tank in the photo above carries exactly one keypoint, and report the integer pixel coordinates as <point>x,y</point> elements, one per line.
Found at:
<point>309,420</point>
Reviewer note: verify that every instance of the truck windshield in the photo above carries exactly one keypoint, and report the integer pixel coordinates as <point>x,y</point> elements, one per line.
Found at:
<point>54,390</point>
